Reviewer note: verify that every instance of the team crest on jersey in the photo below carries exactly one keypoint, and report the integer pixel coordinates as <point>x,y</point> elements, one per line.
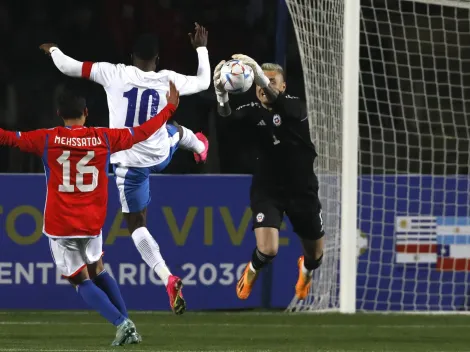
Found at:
<point>260,217</point>
<point>277,120</point>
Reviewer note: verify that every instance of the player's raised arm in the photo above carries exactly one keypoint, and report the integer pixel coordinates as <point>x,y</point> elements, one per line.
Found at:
<point>271,85</point>
<point>188,85</point>
<point>121,139</point>
<point>100,72</point>
<point>260,78</point>
<point>30,142</point>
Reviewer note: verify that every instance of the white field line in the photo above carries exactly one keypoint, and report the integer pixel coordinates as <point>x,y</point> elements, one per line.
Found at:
<point>141,312</point>
<point>423,314</point>
<point>306,326</point>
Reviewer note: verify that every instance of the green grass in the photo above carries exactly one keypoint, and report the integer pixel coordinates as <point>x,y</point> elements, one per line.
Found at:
<point>83,331</point>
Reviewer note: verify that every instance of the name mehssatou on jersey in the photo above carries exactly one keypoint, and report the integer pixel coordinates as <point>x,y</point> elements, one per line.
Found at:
<point>78,142</point>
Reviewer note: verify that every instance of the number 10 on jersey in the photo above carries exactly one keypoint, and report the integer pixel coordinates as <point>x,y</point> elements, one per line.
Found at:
<point>147,96</point>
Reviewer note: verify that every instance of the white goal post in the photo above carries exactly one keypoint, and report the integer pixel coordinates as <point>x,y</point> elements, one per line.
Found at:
<point>387,85</point>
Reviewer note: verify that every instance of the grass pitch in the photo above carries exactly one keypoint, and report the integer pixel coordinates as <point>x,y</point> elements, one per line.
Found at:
<point>82,331</point>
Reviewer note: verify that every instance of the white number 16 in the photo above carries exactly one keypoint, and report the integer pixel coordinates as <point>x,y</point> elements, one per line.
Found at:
<point>82,169</point>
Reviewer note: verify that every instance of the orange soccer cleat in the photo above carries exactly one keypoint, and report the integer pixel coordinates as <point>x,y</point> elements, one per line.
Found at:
<point>304,281</point>
<point>246,282</point>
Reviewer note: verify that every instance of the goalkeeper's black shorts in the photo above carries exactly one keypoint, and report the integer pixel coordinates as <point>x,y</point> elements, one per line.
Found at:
<point>302,208</point>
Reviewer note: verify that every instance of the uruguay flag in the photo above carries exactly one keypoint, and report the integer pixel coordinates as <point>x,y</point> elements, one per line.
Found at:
<point>415,239</point>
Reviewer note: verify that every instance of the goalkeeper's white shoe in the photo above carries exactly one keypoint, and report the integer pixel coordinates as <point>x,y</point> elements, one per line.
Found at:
<point>303,282</point>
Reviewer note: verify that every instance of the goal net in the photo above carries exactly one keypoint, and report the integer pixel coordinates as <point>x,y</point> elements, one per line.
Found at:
<point>413,204</point>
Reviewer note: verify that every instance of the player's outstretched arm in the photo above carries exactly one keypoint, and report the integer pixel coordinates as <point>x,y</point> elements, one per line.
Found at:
<point>30,142</point>
<point>125,138</point>
<point>260,78</point>
<point>64,63</point>
<point>100,72</point>
<point>188,85</point>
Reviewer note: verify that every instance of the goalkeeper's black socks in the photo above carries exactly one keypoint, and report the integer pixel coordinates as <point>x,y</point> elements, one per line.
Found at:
<point>259,260</point>
<point>312,264</point>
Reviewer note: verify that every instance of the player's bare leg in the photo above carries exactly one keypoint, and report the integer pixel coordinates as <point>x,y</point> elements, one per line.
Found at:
<point>126,332</point>
<point>267,245</point>
<point>311,260</point>
<point>150,252</point>
<point>195,142</point>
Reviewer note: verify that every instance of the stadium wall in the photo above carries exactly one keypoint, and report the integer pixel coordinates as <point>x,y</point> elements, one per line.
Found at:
<point>203,226</point>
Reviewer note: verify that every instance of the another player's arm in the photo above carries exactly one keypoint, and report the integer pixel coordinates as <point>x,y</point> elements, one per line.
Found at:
<point>188,85</point>
<point>100,72</point>
<point>125,138</point>
<point>30,142</point>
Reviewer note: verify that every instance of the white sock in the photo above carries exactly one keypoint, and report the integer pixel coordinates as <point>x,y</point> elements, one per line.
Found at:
<point>150,252</point>
<point>252,268</point>
<point>306,272</point>
<point>189,141</point>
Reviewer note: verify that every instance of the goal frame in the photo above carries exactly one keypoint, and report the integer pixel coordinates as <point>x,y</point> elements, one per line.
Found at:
<point>349,157</point>
<point>350,150</point>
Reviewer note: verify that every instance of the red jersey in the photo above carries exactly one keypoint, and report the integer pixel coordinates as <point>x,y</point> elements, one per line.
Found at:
<point>76,161</point>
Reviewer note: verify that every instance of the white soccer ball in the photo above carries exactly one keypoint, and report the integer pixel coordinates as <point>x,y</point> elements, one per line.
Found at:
<point>236,77</point>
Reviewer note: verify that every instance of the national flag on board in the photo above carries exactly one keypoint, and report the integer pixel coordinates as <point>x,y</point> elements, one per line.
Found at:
<point>453,239</point>
<point>416,239</point>
<point>444,241</point>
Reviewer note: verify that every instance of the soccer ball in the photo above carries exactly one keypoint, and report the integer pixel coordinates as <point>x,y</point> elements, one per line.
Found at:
<point>236,77</point>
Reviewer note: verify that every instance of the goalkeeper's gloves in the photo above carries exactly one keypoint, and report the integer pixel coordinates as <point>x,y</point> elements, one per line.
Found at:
<point>260,78</point>
<point>221,93</point>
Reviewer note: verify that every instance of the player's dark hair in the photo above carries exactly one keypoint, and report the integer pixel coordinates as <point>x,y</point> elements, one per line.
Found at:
<point>70,104</point>
<point>146,47</point>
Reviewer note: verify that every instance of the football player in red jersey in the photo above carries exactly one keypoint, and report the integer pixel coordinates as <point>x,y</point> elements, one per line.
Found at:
<point>76,160</point>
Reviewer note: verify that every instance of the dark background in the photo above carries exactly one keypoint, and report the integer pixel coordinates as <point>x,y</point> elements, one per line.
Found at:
<point>413,83</point>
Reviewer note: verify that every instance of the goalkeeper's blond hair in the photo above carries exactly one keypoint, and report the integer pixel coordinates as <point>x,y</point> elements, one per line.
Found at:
<point>268,66</point>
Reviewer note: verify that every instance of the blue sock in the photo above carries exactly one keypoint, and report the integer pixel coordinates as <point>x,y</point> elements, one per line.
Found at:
<point>109,286</point>
<point>98,300</point>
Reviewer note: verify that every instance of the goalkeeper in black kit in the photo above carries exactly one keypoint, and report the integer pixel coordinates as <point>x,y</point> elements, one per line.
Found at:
<point>283,180</point>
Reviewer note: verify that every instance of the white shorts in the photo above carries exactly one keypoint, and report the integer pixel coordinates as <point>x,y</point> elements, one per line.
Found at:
<point>71,255</point>
<point>133,182</point>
